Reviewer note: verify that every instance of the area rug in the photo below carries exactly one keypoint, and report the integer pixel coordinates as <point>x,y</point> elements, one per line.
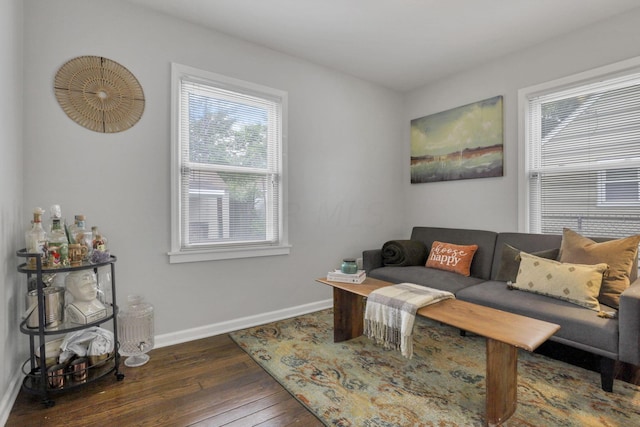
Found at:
<point>356,383</point>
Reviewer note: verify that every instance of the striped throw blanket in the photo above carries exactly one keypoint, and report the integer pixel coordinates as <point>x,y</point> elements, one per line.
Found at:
<point>391,312</point>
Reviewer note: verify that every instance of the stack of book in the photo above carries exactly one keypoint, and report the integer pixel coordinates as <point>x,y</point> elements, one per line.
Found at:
<point>339,276</point>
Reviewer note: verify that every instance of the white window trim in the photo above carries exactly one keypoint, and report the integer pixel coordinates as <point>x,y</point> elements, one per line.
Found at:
<point>524,94</point>
<point>178,255</point>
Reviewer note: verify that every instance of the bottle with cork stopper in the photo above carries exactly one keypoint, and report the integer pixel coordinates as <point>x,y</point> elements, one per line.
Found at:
<point>79,234</point>
<point>58,242</point>
<point>36,239</point>
<point>100,248</point>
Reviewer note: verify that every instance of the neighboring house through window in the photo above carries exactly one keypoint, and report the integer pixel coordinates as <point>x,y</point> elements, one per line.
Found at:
<point>581,147</point>
<point>228,181</point>
<point>619,187</point>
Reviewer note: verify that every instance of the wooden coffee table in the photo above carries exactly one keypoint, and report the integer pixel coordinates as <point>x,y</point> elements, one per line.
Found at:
<point>504,332</point>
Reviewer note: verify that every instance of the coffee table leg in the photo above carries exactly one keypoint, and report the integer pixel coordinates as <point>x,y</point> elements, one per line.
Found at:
<point>502,381</point>
<point>348,315</point>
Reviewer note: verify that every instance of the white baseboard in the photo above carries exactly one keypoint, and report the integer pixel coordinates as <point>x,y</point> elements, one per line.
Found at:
<point>237,324</point>
<point>9,397</point>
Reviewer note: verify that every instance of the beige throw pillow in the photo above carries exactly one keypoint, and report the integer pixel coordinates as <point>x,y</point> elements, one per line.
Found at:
<point>575,283</point>
<point>620,254</point>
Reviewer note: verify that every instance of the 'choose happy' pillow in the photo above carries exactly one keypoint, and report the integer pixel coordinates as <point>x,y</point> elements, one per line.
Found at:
<point>450,257</point>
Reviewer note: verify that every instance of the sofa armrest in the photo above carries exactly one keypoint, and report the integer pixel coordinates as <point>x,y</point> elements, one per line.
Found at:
<point>629,324</point>
<point>371,259</point>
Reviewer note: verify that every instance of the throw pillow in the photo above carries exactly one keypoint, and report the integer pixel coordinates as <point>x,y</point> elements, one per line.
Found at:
<point>575,283</point>
<point>619,254</point>
<point>450,257</point>
<point>510,261</point>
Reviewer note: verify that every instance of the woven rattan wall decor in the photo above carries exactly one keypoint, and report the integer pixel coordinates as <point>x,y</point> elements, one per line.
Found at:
<point>99,94</point>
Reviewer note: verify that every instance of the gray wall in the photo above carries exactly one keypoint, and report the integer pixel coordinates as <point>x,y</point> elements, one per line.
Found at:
<point>494,201</point>
<point>11,212</point>
<point>343,161</point>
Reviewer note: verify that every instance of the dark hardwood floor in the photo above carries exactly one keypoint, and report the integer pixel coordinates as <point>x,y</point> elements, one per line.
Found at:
<point>208,382</point>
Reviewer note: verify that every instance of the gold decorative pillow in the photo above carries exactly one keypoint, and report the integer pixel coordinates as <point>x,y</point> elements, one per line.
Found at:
<point>450,257</point>
<point>620,254</point>
<point>575,283</point>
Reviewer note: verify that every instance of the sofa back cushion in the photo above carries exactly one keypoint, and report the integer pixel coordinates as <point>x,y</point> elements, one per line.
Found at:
<point>526,242</point>
<point>486,240</point>
<point>510,261</point>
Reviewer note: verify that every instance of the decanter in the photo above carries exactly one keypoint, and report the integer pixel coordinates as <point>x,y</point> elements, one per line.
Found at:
<point>135,331</point>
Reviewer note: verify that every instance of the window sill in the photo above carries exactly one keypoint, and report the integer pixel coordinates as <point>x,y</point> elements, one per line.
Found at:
<point>221,254</point>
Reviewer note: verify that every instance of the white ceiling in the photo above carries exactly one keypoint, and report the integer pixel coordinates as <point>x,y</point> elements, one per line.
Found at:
<point>401,44</point>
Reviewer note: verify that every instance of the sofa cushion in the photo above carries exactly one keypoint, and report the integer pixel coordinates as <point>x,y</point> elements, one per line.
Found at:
<point>619,254</point>
<point>430,277</point>
<point>527,242</point>
<point>580,327</point>
<point>450,257</point>
<point>576,283</point>
<point>510,261</point>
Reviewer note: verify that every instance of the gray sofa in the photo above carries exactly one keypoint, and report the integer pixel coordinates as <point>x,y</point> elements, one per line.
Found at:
<point>612,339</point>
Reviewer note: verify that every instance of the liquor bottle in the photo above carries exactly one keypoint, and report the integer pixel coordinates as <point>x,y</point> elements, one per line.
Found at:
<point>71,230</point>
<point>36,239</point>
<point>58,243</point>
<point>78,224</point>
<point>79,234</point>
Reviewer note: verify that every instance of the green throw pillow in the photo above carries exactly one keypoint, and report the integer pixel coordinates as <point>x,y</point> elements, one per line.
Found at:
<point>575,283</point>
<point>510,261</point>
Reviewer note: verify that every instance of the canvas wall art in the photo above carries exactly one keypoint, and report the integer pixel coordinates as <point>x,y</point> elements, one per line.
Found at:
<point>461,143</point>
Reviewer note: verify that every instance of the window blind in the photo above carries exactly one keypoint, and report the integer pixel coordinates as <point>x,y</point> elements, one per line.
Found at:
<point>583,158</point>
<point>230,165</point>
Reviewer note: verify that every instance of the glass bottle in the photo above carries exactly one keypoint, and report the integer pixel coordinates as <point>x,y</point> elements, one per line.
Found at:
<point>54,212</point>
<point>79,234</point>
<point>135,331</point>
<point>79,224</point>
<point>72,229</point>
<point>58,245</point>
<point>99,241</point>
<point>36,239</point>
<point>99,245</point>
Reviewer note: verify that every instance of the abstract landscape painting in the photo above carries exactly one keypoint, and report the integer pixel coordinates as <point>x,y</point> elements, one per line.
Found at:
<point>461,143</point>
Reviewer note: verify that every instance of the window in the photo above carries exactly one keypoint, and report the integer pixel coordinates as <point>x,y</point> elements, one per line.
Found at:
<point>228,184</point>
<point>582,153</point>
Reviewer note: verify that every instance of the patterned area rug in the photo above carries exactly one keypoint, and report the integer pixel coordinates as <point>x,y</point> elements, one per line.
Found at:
<point>356,383</point>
